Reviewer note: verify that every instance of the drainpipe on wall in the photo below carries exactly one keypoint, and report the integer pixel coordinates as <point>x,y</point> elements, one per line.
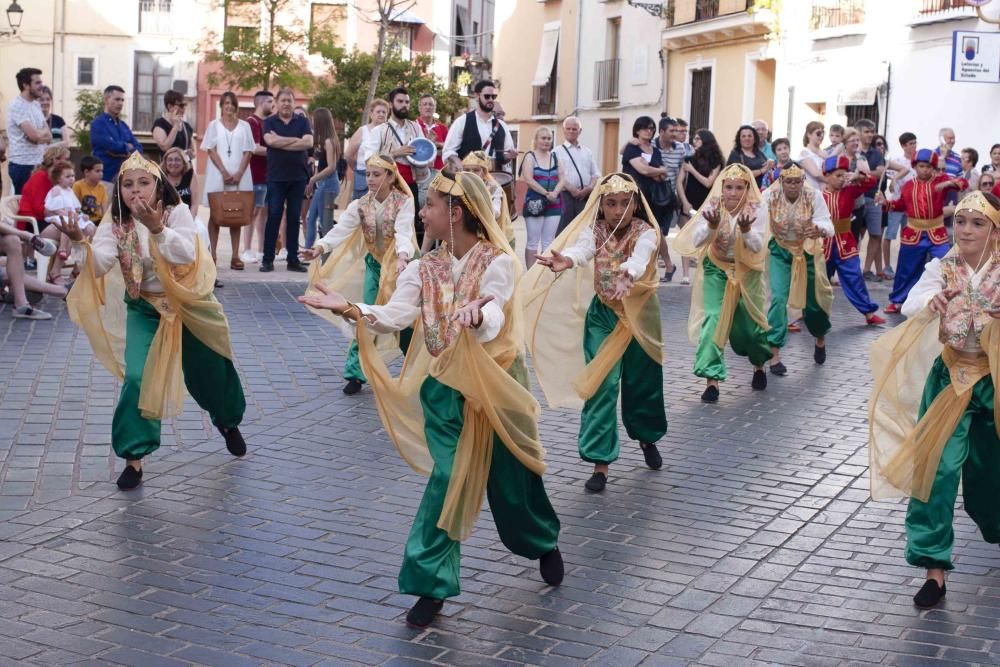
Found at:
<point>579,34</point>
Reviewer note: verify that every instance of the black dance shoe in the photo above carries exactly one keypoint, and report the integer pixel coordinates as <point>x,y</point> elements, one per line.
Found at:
<point>352,387</point>
<point>130,478</point>
<point>423,612</point>
<point>710,395</point>
<point>298,267</point>
<point>235,443</point>
<point>597,482</point>
<point>759,380</point>
<point>652,455</point>
<point>266,267</point>
<point>929,594</point>
<point>551,567</point>
<point>779,369</point>
<point>819,355</point>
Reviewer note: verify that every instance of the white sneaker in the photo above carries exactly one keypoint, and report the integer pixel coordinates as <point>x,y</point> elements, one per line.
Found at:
<point>27,312</point>
<point>282,255</point>
<point>685,280</point>
<point>248,257</point>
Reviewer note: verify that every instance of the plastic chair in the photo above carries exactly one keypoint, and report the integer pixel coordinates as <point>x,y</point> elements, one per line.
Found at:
<point>8,213</point>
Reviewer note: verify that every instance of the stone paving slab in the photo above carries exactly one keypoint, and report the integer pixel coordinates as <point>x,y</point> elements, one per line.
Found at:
<point>756,544</point>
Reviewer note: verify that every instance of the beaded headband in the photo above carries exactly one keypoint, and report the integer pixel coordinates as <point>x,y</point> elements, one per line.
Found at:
<point>477,159</point>
<point>137,161</point>
<point>737,172</point>
<point>618,183</point>
<point>452,187</point>
<point>793,171</point>
<point>978,203</point>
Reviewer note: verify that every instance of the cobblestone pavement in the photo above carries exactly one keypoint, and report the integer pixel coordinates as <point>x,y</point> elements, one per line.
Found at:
<point>755,544</point>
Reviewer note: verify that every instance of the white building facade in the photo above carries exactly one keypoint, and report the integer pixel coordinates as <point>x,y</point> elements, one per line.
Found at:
<point>891,62</point>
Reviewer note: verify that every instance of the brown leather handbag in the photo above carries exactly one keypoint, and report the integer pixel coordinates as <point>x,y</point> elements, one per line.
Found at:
<point>231,208</point>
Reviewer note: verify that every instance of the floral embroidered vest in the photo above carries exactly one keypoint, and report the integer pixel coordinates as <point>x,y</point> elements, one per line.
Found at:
<point>967,311</point>
<point>790,220</point>
<point>378,221</point>
<point>441,295</point>
<point>724,245</point>
<point>611,253</point>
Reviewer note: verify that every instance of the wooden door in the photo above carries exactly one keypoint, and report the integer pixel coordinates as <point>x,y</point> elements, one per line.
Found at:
<point>610,160</point>
<point>701,98</point>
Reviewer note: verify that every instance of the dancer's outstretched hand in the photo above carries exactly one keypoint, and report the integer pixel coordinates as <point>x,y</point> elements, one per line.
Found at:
<point>745,221</point>
<point>470,315</point>
<point>556,262</point>
<point>327,299</point>
<point>939,304</point>
<point>70,226</point>
<point>623,285</point>
<point>713,217</point>
<point>310,254</point>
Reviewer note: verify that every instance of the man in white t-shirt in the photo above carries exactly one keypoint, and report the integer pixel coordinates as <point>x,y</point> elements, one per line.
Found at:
<point>28,134</point>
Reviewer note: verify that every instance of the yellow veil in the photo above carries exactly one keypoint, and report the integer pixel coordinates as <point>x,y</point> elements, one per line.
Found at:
<point>904,452</point>
<point>97,305</point>
<point>822,289</point>
<point>556,305</point>
<point>745,273</point>
<point>344,269</point>
<point>491,376</point>
<point>479,159</point>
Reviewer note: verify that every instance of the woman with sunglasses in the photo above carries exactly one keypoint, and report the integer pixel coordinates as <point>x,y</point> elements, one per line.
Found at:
<point>812,156</point>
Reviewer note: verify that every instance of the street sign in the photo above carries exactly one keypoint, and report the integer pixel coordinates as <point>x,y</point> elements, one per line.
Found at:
<point>975,57</point>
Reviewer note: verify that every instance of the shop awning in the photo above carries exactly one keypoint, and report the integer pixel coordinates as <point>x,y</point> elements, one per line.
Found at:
<point>406,17</point>
<point>547,54</point>
<point>861,96</point>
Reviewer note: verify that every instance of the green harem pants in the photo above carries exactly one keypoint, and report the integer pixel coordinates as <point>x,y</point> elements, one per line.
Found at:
<point>523,515</point>
<point>816,319</point>
<point>352,365</point>
<point>972,455</point>
<point>211,379</point>
<point>640,380</point>
<point>746,337</point>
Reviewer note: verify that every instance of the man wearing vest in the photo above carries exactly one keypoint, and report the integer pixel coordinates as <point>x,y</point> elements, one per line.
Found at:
<point>393,138</point>
<point>479,130</point>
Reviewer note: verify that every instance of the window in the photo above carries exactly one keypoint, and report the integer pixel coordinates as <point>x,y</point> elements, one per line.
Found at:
<point>242,30</point>
<point>701,97</point>
<point>154,16</point>
<point>153,77</point>
<point>326,22</point>
<point>400,38</point>
<point>856,112</point>
<point>544,83</point>
<point>86,71</point>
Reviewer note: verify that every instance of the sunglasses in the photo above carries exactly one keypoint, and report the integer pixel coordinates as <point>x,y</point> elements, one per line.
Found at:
<point>486,96</point>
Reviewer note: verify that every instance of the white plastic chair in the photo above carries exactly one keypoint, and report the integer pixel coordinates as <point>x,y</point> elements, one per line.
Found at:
<point>8,213</point>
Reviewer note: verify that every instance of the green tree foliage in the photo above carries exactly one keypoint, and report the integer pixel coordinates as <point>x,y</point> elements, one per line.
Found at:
<point>346,90</point>
<point>89,105</point>
<point>252,58</point>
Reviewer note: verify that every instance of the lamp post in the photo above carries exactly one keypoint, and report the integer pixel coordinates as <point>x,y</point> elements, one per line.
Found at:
<point>14,16</point>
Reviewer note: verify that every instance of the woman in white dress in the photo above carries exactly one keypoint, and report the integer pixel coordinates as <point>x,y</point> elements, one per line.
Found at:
<point>229,143</point>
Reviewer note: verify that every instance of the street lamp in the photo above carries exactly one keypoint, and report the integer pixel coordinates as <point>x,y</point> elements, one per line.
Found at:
<point>14,16</point>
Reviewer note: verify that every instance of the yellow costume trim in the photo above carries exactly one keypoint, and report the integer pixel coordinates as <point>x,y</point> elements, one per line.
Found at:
<point>495,402</point>
<point>480,159</point>
<point>556,307</point>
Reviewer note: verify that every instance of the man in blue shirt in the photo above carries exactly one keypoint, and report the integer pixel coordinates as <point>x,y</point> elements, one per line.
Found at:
<point>110,137</point>
<point>289,139</point>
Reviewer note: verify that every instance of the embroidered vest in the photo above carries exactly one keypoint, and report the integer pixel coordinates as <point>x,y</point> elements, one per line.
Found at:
<point>378,221</point>
<point>967,311</point>
<point>611,253</point>
<point>441,295</point>
<point>791,220</point>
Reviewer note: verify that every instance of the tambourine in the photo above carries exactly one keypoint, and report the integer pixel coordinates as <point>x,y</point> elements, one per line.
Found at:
<point>425,153</point>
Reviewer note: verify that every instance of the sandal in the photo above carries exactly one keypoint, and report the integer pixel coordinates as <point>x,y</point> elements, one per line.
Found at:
<point>236,264</point>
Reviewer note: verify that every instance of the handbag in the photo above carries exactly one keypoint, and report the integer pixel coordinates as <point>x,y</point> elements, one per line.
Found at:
<point>534,207</point>
<point>662,194</point>
<point>231,208</point>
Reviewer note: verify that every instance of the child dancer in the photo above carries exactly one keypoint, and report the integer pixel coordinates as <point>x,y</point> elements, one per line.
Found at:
<point>612,247</point>
<point>933,413</point>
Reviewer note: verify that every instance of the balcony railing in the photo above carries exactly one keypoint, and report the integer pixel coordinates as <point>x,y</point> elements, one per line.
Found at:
<point>837,14</point>
<point>606,80</point>
<point>934,6</point>
<point>706,9</point>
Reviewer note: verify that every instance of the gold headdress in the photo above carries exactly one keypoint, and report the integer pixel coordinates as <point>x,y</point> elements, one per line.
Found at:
<point>387,163</point>
<point>737,172</point>
<point>617,183</point>
<point>478,159</point>
<point>137,161</point>
<point>448,186</point>
<point>792,171</point>
<point>975,201</point>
